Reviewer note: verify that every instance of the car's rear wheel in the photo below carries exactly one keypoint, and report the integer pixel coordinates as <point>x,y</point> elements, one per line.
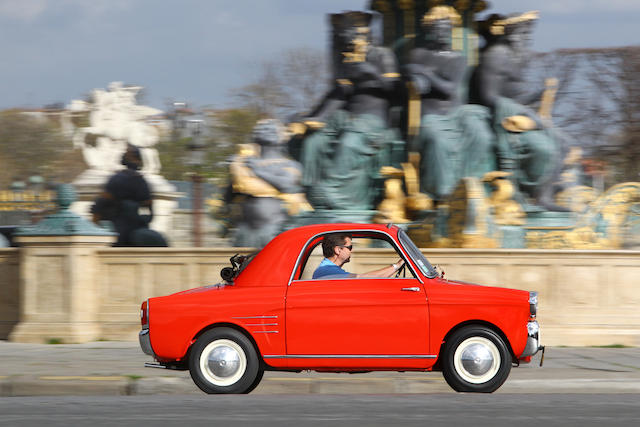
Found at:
<point>223,360</point>
<point>476,359</point>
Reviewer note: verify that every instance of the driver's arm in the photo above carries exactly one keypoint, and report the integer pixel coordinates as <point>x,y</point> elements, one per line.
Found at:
<point>383,272</point>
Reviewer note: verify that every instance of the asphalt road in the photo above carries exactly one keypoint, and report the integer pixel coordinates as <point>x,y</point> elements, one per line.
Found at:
<point>315,410</point>
<point>116,368</point>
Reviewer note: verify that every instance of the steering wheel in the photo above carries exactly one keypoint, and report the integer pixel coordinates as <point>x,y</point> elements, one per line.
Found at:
<point>402,271</point>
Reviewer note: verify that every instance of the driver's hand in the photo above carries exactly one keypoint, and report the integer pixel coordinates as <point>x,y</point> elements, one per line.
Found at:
<point>400,263</point>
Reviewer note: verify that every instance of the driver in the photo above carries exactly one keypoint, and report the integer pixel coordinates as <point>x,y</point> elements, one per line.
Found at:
<point>336,248</point>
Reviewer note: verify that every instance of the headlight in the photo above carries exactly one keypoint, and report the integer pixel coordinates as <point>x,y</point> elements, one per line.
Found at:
<point>533,303</point>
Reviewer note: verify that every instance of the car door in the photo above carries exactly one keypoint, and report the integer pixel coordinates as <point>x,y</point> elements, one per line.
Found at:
<point>377,319</point>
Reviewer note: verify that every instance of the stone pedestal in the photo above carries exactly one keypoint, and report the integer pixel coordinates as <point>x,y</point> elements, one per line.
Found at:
<point>9,291</point>
<point>58,276</point>
<point>58,295</point>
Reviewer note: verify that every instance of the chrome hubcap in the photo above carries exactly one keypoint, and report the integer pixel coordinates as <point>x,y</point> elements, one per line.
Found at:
<point>223,362</point>
<point>477,360</point>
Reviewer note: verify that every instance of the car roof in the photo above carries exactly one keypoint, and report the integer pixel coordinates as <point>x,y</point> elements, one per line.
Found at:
<point>274,263</point>
<point>322,228</point>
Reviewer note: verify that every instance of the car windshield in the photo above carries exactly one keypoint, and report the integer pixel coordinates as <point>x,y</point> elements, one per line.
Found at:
<point>424,265</point>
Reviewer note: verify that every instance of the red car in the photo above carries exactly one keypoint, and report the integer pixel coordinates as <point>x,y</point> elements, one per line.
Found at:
<point>269,314</point>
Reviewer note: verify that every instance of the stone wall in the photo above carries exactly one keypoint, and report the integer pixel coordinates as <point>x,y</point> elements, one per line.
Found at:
<point>586,297</point>
<point>9,290</point>
<point>129,276</point>
<point>180,234</point>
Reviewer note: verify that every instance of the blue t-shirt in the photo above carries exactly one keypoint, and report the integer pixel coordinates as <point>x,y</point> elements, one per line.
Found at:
<point>327,268</point>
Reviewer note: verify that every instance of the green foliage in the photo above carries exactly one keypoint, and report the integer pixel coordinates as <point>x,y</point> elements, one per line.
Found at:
<point>32,144</point>
<point>223,131</point>
<point>234,125</point>
<point>172,152</point>
<point>229,128</point>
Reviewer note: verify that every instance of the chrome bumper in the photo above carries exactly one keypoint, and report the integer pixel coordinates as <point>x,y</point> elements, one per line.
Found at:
<point>533,341</point>
<point>145,342</point>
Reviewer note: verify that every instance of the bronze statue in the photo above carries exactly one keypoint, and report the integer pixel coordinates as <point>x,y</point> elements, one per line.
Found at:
<point>342,160</point>
<point>525,145</point>
<point>265,187</point>
<point>454,140</point>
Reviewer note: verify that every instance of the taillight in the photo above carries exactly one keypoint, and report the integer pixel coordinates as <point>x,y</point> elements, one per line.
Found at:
<point>144,314</point>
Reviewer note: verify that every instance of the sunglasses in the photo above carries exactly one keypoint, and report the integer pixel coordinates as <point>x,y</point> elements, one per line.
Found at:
<point>350,247</point>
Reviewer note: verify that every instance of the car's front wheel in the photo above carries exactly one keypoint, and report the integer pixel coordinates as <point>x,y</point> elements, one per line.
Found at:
<point>223,360</point>
<point>476,359</point>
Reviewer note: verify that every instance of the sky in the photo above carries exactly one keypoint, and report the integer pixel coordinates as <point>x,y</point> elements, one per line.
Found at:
<point>54,51</point>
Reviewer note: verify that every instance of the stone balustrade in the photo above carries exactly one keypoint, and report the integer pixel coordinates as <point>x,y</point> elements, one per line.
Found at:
<point>83,290</point>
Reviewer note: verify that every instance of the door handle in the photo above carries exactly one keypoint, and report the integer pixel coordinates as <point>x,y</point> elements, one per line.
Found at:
<point>414,289</point>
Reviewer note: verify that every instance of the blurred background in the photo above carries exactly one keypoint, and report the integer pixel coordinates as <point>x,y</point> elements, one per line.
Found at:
<point>212,69</point>
<point>187,81</point>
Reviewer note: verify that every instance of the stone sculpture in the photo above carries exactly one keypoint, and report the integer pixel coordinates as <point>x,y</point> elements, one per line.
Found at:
<point>115,119</point>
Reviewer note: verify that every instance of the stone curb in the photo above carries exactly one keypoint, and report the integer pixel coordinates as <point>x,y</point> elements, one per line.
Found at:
<point>21,386</point>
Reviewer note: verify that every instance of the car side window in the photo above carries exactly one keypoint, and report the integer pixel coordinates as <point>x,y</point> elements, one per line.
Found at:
<point>313,261</point>
<point>369,253</point>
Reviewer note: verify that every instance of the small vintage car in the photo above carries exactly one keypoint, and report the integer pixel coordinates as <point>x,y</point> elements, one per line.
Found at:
<point>269,314</point>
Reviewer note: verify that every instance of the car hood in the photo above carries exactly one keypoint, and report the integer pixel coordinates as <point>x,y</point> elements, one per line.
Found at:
<point>457,282</point>
<point>478,289</point>
<point>205,288</point>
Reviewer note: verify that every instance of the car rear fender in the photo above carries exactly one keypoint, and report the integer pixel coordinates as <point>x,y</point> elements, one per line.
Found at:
<point>223,325</point>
